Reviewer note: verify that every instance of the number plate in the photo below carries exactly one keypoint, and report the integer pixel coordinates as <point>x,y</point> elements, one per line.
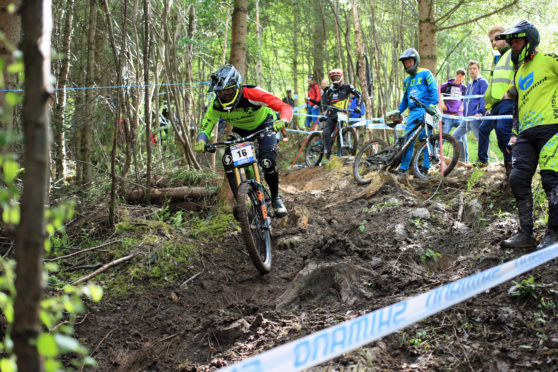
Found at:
<point>242,153</point>
<point>341,116</point>
<point>429,119</point>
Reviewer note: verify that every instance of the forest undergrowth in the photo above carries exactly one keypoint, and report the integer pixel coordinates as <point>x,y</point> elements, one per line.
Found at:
<point>180,292</point>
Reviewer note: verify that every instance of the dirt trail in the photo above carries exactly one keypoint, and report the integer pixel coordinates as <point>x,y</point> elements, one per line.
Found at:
<point>342,251</point>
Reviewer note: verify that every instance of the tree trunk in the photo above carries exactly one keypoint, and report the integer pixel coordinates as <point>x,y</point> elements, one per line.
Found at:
<point>11,27</point>
<point>36,21</point>
<point>361,61</point>
<point>295,54</point>
<point>85,142</point>
<point>260,37</point>
<point>340,54</point>
<point>118,59</point>
<point>350,73</point>
<point>317,42</point>
<point>427,35</point>
<point>238,39</point>
<point>147,99</point>
<point>59,111</point>
<point>223,61</point>
<point>183,192</point>
<point>226,34</point>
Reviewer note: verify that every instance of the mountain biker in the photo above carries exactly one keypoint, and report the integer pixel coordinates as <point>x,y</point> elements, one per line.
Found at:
<point>498,102</point>
<point>336,96</point>
<point>536,122</point>
<point>246,108</point>
<point>421,84</point>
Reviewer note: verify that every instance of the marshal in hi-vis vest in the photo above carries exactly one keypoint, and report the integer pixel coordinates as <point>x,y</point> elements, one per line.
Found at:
<point>501,81</point>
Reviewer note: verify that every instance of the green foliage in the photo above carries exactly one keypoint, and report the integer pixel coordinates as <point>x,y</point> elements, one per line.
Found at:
<point>475,177</point>
<point>56,338</point>
<point>525,288</point>
<point>431,255</point>
<point>184,176</point>
<point>362,226</point>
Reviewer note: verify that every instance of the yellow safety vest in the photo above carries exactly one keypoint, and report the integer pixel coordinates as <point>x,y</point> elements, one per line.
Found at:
<point>502,77</point>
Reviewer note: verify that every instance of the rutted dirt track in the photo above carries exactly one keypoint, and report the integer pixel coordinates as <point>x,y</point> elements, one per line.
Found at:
<point>342,251</point>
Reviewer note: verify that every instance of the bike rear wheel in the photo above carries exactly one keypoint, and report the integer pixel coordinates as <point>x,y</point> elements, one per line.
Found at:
<point>450,152</point>
<point>314,149</point>
<point>253,225</point>
<point>369,160</point>
<point>350,142</point>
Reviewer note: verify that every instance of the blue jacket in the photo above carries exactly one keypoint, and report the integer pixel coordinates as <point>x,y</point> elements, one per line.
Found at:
<point>423,86</point>
<point>353,105</point>
<point>472,106</point>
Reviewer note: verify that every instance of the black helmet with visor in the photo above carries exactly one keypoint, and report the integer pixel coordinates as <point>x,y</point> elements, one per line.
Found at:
<point>226,82</point>
<point>527,31</point>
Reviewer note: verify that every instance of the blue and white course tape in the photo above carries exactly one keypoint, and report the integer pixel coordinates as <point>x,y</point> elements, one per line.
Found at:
<point>331,342</point>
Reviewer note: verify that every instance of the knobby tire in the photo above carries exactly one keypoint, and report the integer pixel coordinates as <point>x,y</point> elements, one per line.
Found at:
<point>368,160</point>
<point>350,141</point>
<point>258,238</point>
<point>314,150</point>
<point>450,151</point>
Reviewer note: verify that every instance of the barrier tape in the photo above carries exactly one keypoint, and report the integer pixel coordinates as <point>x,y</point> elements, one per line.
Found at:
<point>331,342</point>
<point>454,97</point>
<point>471,118</point>
<point>194,85</point>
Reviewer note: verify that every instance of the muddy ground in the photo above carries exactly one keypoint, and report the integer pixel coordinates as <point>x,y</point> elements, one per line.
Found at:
<point>342,251</point>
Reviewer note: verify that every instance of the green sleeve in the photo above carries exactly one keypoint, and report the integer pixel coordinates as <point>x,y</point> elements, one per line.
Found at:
<point>208,123</point>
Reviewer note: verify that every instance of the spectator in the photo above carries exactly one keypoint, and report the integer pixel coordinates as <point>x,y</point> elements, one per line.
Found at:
<point>452,105</point>
<point>473,106</point>
<point>536,124</point>
<point>164,126</point>
<point>324,85</point>
<point>288,99</point>
<point>498,102</point>
<point>312,101</point>
<point>355,114</point>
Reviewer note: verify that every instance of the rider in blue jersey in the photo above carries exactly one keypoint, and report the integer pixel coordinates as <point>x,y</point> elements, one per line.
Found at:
<point>421,84</point>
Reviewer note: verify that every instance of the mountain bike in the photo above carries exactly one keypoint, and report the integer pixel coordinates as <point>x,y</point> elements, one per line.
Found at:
<point>254,209</point>
<point>344,137</point>
<point>427,161</point>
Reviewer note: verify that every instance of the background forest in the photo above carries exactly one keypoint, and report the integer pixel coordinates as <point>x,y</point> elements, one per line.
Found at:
<point>102,44</point>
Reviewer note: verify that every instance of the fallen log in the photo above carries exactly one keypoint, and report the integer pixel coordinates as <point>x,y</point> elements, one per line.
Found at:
<point>177,193</point>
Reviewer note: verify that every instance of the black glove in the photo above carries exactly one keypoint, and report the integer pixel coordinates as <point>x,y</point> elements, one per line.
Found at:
<point>357,110</point>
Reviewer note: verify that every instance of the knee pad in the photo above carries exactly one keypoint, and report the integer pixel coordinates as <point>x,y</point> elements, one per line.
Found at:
<point>519,181</point>
<point>268,164</point>
<point>227,161</point>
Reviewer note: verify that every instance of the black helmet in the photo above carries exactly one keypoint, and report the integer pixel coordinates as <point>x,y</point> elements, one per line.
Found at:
<point>411,53</point>
<point>529,32</point>
<point>225,82</point>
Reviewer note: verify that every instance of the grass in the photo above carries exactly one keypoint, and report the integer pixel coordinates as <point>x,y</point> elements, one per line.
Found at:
<point>494,153</point>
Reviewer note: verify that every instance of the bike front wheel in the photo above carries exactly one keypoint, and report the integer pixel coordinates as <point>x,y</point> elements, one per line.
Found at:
<point>254,227</point>
<point>427,161</point>
<point>368,160</point>
<point>314,150</point>
<point>350,142</point>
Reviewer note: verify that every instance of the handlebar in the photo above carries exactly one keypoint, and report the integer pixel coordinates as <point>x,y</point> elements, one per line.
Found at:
<point>212,147</point>
<point>428,109</point>
<point>337,108</point>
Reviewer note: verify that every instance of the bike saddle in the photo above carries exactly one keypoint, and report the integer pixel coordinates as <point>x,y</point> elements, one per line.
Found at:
<point>391,124</point>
